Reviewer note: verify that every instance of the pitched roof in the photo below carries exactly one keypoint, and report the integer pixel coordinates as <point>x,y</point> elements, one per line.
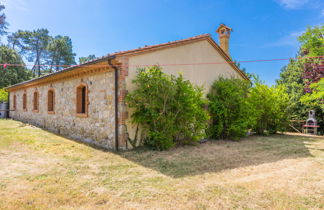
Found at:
<point>163,45</point>
<point>142,50</point>
<point>181,42</point>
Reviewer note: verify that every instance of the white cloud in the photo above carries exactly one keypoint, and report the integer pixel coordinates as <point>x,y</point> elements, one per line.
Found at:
<point>322,13</point>
<point>287,40</point>
<point>292,4</point>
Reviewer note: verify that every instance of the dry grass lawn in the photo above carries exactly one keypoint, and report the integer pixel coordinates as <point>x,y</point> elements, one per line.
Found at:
<point>40,170</point>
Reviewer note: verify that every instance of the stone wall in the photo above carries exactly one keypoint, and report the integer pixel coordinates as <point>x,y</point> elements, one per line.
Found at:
<point>98,128</point>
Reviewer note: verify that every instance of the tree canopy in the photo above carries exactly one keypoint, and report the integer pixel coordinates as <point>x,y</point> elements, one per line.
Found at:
<point>3,22</point>
<point>10,75</point>
<point>37,47</point>
<point>60,53</point>
<point>47,53</point>
<point>301,75</point>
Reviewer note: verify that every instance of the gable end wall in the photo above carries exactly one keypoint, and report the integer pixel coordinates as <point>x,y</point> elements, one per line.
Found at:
<point>193,53</point>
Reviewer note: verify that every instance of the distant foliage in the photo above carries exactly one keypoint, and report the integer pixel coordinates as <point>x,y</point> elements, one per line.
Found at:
<point>12,74</point>
<point>3,95</point>
<point>230,111</point>
<point>3,22</point>
<point>169,109</point>
<point>270,107</point>
<point>316,96</point>
<point>86,59</point>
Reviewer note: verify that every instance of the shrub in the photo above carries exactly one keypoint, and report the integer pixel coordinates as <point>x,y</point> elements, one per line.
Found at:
<point>270,107</point>
<point>3,95</point>
<point>315,101</point>
<point>169,109</point>
<point>230,109</point>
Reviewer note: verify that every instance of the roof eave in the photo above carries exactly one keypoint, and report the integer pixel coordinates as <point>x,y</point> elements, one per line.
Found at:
<point>108,57</point>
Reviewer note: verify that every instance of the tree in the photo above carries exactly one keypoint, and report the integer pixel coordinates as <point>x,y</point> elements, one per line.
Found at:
<point>33,45</point>
<point>47,53</point>
<point>60,53</point>
<point>15,40</point>
<point>312,46</point>
<point>299,75</point>
<point>312,41</point>
<point>291,77</point>
<point>10,75</point>
<point>3,23</point>
<point>86,59</point>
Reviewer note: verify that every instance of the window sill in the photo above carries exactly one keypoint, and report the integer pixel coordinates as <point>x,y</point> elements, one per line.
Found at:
<point>82,115</point>
<point>50,112</point>
<point>25,110</point>
<point>35,110</point>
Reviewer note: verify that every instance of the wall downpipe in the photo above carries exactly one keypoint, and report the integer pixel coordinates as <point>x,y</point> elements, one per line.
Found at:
<point>116,103</point>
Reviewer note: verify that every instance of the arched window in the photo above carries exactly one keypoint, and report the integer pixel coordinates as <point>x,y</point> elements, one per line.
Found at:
<point>25,102</point>
<point>14,102</point>
<point>35,102</point>
<point>50,101</point>
<point>82,100</point>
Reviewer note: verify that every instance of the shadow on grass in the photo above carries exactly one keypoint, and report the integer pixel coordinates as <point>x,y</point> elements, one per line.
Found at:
<point>219,155</point>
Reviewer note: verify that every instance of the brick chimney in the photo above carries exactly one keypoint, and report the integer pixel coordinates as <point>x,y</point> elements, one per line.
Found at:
<point>224,34</point>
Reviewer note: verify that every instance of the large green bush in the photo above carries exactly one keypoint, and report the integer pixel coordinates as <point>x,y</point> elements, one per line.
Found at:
<point>3,95</point>
<point>169,109</point>
<point>270,105</point>
<point>229,108</point>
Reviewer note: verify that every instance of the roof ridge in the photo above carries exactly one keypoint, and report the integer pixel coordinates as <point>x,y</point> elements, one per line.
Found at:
<point>162,44</point>
<point>143,48</point>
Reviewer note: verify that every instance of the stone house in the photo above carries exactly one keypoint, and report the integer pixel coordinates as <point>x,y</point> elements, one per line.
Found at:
<point>87,102</point>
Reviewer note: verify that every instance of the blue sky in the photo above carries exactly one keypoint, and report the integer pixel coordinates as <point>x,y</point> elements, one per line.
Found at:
<point>263,29</point>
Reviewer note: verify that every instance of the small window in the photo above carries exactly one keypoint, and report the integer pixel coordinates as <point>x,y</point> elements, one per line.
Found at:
<point>25,102</point>
<point>50,102</point>
<point>14,102</point>
<point>35,101</point>
<point>82,100</point>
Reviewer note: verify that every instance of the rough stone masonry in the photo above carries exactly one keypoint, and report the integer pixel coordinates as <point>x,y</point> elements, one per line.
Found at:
<point>97,128</point>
